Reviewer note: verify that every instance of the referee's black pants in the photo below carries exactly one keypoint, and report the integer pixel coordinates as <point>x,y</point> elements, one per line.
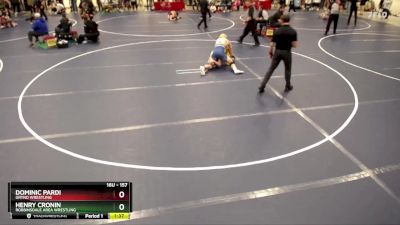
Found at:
<point>286,56</point>
<point>352,10</point>
<point>203,19</point>
<point>251,26</point>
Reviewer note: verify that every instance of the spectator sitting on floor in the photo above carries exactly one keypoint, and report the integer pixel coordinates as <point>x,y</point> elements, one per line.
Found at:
<point>91,31</point>
<point>64,28</point>
<point>5,20</point>
<point>39,28</point>
<point>173,16</point>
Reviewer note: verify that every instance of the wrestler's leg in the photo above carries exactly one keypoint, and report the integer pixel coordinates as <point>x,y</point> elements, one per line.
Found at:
<point>230,61</point>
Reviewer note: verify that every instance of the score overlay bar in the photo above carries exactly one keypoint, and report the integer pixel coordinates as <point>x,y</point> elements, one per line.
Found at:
<point>69,200</point>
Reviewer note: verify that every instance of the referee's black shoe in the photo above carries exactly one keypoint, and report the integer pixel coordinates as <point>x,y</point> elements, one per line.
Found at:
<point>261,90</point>
<point>288,88</point>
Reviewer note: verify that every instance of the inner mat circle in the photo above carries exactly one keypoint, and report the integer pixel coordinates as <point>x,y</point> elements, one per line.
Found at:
<point>157,25</point>
<point>172,168</point>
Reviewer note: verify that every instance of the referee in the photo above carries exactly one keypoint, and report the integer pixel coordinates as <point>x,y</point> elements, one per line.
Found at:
<point>203,10</point>
<point>284,38</point>
<point>251,25</point>
<point>353,9</point>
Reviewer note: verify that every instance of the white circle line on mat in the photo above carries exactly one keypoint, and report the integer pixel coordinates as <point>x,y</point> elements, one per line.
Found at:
<point>165,35</point>
<point>352,64</point>
<point>159,168</point>
<point>356,29</point>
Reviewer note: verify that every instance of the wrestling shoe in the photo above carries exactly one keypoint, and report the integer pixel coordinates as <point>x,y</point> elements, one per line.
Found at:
<point>238,72</point>
<point>202,71</point>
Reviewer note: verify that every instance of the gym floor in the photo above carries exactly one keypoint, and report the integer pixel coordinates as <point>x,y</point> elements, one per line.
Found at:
<point>209,150</point>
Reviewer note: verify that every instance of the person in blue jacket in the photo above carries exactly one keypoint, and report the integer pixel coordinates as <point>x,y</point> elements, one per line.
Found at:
<point>39,28</point>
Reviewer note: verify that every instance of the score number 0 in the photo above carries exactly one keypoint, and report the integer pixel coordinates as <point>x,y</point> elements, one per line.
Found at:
<point>121,206</point>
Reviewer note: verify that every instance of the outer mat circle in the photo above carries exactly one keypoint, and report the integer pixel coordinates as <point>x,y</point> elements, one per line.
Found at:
<point>352,64</point>
<point>166,35</point>
<point>144,167</point>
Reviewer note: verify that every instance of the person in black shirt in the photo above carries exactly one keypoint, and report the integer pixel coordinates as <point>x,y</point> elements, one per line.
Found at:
<point>251,25</point>
<point>353,9</point>
<point>203,10</point>
<point>64,28</point>
<point>283,40</point>
<point>91,31</point>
